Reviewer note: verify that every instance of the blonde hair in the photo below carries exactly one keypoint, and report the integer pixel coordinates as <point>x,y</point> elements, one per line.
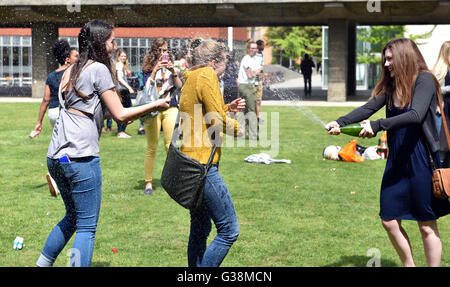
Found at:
<point>442,65</point>
<point>207,51</point>
<point>117,60</point>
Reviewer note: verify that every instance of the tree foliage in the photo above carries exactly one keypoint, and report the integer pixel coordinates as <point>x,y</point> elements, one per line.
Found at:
<point>373,39</point>
<point>295,41</point>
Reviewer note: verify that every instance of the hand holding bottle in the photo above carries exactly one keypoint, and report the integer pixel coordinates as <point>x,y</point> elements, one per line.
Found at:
<point>367,131</point>
<point>333,128</point>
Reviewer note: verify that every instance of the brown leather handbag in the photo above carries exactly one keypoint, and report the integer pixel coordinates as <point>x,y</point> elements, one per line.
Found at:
<point>441,176</point>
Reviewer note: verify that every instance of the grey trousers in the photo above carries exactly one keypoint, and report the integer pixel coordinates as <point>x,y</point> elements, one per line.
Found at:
<point>248,117</point>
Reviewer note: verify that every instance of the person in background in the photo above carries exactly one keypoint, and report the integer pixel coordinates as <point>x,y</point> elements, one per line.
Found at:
<point>123,72</point>
<point>201,87</point>
<point>65,55</point>
<point>409,91</point>
<point>248,71</point>
<point>306,67</point>
<point>441,70</point>
<point>259,82</point>
<point>160,73</point>
<point>73,158</point>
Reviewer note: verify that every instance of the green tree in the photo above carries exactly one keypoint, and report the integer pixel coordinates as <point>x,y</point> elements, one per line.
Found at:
<point>372,40</point>
<point>295,41</point>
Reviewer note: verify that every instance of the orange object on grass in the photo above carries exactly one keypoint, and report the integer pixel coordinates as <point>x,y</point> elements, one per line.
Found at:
<point>348,153</point>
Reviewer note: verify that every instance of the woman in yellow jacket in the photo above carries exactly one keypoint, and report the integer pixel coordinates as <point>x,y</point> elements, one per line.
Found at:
<point>158,67</point>
<point>201,99</point>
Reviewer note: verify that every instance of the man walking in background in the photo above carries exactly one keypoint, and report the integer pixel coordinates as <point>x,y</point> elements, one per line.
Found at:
<point>306,67</point>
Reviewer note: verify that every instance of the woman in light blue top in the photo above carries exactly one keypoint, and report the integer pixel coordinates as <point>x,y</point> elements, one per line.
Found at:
<point>90,92</point>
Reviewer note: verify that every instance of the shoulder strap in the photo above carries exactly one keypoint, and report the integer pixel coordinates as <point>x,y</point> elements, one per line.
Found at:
<point>445,127</point>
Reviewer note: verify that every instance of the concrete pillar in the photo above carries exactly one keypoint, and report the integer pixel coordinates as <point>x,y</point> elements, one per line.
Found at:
<point>43,36</point>
<point>341,60</point>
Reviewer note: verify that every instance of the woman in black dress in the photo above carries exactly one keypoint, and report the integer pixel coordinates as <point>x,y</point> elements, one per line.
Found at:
<point>409,91</point>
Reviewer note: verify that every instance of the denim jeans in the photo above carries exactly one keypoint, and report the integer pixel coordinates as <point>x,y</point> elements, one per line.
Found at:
<point>80,185</point>
<point>218,206</point>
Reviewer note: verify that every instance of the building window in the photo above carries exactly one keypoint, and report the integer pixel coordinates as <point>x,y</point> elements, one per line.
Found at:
<point>15,54</point>
<point>325,57</point>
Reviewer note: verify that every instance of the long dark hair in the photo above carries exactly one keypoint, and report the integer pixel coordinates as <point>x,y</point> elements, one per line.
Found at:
<point>61,50</point>
<point>408,63</point>
<point>152,56</point>
<point>92,46</point>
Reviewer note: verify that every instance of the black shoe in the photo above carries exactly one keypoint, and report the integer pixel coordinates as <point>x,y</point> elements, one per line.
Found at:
<point>141,132</point>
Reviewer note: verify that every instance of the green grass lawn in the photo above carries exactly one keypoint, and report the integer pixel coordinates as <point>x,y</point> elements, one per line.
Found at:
<point>312,212</point>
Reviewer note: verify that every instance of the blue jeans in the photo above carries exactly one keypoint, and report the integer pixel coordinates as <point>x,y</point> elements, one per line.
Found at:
<point>218,206</point>
<point>80,185</point>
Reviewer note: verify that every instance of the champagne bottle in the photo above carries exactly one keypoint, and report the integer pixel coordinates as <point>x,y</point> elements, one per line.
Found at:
<point>351,129</point>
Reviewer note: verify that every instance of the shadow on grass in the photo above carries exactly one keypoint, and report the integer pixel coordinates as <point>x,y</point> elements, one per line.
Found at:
<point>359,261</point>
<point>140,185</point>
<point>37,186</point>
<point>100,264</point>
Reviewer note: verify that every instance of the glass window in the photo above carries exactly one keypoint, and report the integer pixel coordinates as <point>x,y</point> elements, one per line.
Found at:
<point>26,56</point>
<point>73,41</point>
<point>16,56</point>
<point>134,42</point>
<point>26,41</point>
<point>133,57</point>
<point>325,73</point>
<point>6,41</point>
<point>143,42</point>
<point>16,40</point>
<point>142,52</point>
<point>125,42</point>
<point>6,54</point>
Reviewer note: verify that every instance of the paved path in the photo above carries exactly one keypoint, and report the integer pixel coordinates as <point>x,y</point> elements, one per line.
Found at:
<point>264,103</point>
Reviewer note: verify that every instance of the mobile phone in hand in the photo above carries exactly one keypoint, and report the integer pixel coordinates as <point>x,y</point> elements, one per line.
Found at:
<point>165,58</point>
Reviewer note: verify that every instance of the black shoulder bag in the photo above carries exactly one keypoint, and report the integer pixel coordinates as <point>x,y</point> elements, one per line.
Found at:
<point>183,177</point>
